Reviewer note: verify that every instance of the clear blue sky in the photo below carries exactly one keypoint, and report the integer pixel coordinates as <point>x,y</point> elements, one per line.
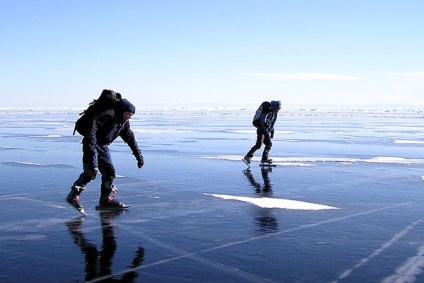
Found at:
<point>212,53</point>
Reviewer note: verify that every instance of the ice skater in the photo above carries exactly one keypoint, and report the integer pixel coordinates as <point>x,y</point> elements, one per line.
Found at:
<point>264,121</point>
<point>102,130</point>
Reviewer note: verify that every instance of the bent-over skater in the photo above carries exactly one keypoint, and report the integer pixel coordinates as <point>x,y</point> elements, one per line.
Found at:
<point>265,131</point>
<point>102,130</point>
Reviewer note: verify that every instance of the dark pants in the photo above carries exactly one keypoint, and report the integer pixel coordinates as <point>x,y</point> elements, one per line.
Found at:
<point>105,166</point>
<point>261,138</point>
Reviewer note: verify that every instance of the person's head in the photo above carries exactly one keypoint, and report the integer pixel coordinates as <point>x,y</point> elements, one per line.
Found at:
<point>275,105</point>
<point>127,109</point>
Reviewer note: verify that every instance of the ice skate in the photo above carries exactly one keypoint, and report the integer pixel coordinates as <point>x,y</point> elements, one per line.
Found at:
<point>112,204</point>
<point>109,202</point>
<point>267,163</point>
<point>246,160</point>
<point>73,199</point>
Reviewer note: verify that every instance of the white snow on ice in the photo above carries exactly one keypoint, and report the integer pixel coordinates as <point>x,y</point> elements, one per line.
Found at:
<point>154,131</point>
<point>401,128</point>
<point>277,161</point>
<point>47,136</point>
<point>265,202</point>
<point>409,142</point>
<point>30,163</point>
<point>347,160</point>
<point>253,131</point>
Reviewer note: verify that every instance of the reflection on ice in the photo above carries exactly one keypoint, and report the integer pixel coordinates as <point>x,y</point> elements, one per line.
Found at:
<point>266,221</point>
<point>266,202</point>
<point>267,186</point>
<point>98,261</point>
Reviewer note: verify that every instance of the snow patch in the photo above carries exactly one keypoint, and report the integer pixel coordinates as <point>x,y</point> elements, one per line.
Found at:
<point>311,159</point>
<point>265,202</point>
<point>409,142</point>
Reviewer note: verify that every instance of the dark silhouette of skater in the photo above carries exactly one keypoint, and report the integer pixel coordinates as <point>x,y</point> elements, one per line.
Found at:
<point>267,186</point>
<point>264,132</point>
<point>98,263</point>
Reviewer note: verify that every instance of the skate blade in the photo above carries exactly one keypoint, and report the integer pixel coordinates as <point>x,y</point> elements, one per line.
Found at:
<point>80,211</point>
<point>111,208</point>
<point>245,162</point>
<point>267,165</point>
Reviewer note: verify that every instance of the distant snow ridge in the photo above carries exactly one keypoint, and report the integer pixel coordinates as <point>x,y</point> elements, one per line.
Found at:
<point>289,110</point>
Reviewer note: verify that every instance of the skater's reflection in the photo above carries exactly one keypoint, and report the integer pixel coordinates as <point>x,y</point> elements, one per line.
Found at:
<point>267,186</point>
<point>98,263</point>
<point>267,223</point>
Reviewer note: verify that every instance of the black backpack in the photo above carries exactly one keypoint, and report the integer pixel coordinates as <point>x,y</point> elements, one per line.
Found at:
<point>264,108</point>
<point>107,100</point>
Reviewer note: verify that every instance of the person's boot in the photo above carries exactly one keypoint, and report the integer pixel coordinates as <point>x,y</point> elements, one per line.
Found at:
<point>107,198</point>
<point>73,199</point>
<point>247,160</point>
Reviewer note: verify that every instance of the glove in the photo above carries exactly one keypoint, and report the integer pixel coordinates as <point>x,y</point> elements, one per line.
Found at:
<point>140,161</point>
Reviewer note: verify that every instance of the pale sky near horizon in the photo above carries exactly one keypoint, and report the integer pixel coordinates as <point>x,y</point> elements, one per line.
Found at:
<point>212,53</point>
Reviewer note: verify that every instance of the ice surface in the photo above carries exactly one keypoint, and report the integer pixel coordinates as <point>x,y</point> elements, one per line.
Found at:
<point>197,214</point>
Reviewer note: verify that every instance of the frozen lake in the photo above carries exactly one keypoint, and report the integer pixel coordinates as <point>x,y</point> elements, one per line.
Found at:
<point>344,204</point>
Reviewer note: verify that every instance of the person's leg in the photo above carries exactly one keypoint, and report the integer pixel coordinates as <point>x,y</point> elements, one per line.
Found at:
<point>84,178</point>
<point>106,168</point>
<point>258,144</point>
<point>268,145</point>
<point>88,173</point>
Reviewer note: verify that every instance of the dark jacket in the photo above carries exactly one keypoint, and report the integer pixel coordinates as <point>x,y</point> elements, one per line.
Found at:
<point>107,126</point>
<point>268,121</point>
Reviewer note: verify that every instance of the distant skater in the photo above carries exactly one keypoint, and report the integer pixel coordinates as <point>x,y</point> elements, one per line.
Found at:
<point>99,129</point>
<point>264,121</point>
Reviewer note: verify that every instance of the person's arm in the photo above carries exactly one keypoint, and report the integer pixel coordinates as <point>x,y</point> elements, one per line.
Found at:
<point>271,128</point>
<point>91,138</point>
<point>128,137</point>
<point>265,120</point>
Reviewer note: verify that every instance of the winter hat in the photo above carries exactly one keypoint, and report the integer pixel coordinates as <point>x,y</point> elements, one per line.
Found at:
<point>126,106</point>
<point>276,104</point>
